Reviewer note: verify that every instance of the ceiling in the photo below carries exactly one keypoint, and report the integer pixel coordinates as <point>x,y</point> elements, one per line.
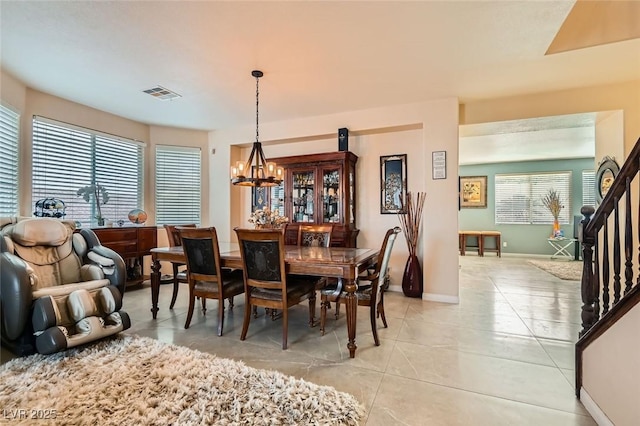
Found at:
<point>318,57</point>
<point>326,57</point>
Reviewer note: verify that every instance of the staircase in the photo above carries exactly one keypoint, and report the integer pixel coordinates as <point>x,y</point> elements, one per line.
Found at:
<point>610,240</point>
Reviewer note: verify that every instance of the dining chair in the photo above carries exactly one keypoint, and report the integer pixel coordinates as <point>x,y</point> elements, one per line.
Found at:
<point>315,235</point>
<point>179,275</point>
<point>266,281</point>
<point>206,278</point>
<point>370,290</point>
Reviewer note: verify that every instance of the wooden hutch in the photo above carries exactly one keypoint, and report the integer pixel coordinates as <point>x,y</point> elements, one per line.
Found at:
<point>317,188</point>
<point>131,243</point>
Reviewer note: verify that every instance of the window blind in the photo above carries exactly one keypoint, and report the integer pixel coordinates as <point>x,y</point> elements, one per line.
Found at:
<point>178,185</point>
<point>9,125</point>
<point>67,157</point>
<point>519,197</point>
<point>589,188</point>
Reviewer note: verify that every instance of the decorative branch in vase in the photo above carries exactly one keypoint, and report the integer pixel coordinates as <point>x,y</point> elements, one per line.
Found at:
<point>551,200</point>
<point>410,219</point>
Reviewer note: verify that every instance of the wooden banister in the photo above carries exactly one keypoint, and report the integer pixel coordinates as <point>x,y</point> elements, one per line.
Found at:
<point>600,266</point>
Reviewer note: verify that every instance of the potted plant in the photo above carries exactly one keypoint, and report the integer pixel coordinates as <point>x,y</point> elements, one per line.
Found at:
<point>100,194</point>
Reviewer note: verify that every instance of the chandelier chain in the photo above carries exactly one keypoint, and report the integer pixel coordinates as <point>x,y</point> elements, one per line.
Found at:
<point>257,110</point>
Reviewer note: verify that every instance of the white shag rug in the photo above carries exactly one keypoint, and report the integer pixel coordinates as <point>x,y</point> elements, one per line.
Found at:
<point>565,270</point>
<point>131,380</point>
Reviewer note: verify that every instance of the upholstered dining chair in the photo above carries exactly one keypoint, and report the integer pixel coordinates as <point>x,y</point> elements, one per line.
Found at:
<point>266,281</point>
<point>206,278</point>
<point>179,275</point>
<point>370,288</point>
<point>315,235</point>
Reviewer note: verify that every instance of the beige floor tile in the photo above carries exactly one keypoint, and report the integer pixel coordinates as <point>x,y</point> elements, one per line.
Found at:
<point>524,382</point>
<point>502,356</point>
<point>402,401</point>
<point>499,345</point>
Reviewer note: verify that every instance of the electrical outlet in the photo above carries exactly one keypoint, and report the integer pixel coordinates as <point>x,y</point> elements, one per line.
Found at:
<point>504,244</point>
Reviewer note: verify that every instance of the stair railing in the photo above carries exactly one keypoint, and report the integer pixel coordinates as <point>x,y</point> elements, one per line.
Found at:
<point>605,298</point>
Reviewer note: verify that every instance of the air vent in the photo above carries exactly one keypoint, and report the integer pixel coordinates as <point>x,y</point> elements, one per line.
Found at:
<point>162,93</point>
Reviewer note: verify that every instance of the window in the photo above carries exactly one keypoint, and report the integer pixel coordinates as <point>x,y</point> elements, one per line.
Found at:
<point>8,161</point>
<point>66,158</point>
<point>177,185</point>
<point>588,188</point>
<point>519,197</point>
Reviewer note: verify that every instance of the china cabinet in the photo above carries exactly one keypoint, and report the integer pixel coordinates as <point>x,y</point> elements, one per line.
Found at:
<point>318,188</point>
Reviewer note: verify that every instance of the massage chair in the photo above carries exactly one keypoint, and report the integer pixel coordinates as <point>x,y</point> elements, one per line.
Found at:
<point>59,287</point>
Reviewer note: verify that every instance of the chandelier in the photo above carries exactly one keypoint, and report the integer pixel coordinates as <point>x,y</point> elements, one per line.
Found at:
<point>256,171</point>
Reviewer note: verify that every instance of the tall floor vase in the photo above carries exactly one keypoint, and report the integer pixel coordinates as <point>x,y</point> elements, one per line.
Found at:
<point>412,283</point>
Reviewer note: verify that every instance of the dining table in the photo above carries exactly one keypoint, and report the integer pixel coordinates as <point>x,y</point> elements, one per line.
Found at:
<point>342,263</point>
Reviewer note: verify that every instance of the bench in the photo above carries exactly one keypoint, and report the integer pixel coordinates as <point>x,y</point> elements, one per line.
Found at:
<point>467,238</point>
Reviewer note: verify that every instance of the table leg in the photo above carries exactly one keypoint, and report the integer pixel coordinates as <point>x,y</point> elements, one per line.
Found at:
<point>155,286</point>
<point>351,303</point>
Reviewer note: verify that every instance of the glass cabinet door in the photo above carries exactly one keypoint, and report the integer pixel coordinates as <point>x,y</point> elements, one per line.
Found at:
<point>276,199</point>
<point>331,197</point>
<point>303,195</point>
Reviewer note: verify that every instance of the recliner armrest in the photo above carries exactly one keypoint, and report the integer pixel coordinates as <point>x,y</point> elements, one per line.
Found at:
<point>118,278</point>
<point>15,294</point>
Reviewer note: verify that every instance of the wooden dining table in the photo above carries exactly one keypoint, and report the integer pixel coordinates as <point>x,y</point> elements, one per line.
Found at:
<point>339,262</point>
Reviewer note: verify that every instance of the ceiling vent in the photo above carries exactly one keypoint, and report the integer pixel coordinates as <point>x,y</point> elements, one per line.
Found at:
<point>162,93</point>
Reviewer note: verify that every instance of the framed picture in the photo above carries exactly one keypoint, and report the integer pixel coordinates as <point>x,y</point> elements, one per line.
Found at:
<point>473,191</point>
<point>393,183</point>
<point>439,165</point>
<point>259,196</point>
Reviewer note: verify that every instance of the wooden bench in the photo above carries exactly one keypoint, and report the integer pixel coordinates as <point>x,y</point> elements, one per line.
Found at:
<point>466,238</point>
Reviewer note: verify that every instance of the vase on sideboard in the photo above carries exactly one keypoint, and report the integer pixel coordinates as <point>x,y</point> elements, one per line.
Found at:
<point>412,283</point>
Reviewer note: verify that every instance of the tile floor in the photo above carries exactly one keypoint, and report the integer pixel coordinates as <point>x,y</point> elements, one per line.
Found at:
<point>503,356</point>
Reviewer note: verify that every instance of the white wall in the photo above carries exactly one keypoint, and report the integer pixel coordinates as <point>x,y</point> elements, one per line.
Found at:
<point>610,366</point>
<point>414,129</point>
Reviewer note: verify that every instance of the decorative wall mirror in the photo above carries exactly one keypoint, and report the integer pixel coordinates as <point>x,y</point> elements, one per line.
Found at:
<point>607,172</point>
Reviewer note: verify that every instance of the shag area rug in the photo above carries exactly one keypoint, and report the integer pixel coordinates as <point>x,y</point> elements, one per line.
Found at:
<point>131,380</point>
<point>565,270</point>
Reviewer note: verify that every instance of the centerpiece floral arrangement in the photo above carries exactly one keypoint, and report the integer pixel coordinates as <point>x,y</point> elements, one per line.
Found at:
<point>266,218</point>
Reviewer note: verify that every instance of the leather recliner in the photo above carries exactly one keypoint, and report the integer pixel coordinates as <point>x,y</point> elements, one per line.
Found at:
<point>58,288</point>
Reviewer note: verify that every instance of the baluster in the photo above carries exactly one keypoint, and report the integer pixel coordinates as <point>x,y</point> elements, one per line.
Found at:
<point>595,279</point>
<point>605,269</point>
<point>616,251</point>
<point>628,243</point>
<point>587,289</point>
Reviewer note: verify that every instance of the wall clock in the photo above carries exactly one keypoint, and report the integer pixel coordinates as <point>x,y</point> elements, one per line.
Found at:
<point>606,174</point>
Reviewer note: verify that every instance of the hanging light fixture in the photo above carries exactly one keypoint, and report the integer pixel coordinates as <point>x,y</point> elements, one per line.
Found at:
<point>256,171</point>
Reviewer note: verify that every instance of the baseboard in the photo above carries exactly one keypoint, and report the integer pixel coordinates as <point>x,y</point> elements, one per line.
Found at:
<point>431,297</point>
<point>592,408</point>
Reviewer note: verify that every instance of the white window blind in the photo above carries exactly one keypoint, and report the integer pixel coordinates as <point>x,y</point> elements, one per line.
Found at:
<point>66,158</point>
<point>588,188</point>
<point>519,197</point>
<point>9,125</point>
<point>177,185</point>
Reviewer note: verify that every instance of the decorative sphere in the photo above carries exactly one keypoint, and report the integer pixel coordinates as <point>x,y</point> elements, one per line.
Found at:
<point>138,216</point>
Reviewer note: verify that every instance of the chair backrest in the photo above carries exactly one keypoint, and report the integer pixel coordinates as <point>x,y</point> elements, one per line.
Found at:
<point>172,234</point>
<point>315,235</point>
<point>383,258</point>
<point>46,245</point>
<point>262,252</point>
<point>202,253</point>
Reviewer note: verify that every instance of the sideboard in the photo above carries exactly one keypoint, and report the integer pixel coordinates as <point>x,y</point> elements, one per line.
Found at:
<point>132,243</point>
